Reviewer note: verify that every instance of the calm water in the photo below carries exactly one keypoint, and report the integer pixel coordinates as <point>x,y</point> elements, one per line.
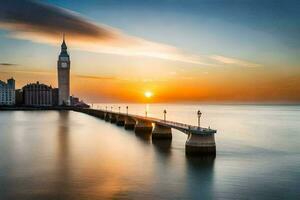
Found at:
<point>69,155</point>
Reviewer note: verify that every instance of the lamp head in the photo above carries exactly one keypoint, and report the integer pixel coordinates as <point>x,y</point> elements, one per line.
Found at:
<point>199,113</point>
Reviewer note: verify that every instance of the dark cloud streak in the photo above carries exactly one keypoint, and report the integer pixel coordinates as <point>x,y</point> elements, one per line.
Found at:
<point>95,77</point>
<point>8,64</point>
<point>49,19</point>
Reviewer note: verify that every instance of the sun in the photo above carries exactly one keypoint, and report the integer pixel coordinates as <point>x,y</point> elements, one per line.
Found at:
<point>148,94</point>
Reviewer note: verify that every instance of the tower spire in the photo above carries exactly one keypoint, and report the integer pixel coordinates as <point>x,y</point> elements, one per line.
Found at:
<point>63,45</point>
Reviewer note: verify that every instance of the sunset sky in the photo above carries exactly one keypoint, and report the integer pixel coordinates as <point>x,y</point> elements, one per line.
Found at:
<point>180,50</point>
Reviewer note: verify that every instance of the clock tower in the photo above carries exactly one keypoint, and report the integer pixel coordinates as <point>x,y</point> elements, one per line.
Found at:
<point>63,72</point>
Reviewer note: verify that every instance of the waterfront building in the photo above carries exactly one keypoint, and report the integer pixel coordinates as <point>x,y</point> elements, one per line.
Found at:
<point>36,94</point>
<point>63,69</point>
<point>55,96</point>
<point>74,100</point>
<point>19,97</point>
<point>7,92</point>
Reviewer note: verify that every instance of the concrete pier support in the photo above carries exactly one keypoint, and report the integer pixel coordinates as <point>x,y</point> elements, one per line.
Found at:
<point>113,118</point>
<point>107,117</point>
<point>101,114</point>
<point>129,123</point>
<point>143,127</point>
<point>91,112</point>
<point>198,144</point>
<point>161,132</point>
<point>120,120</point>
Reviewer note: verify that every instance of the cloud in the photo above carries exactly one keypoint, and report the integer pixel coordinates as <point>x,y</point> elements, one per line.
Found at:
<point>96,77</point>
<point>44,23</point>
<point>53,73</point>
<point>32,17</point>
<point>7,64</point>
<point>234,61</point>
<point>36,72</point>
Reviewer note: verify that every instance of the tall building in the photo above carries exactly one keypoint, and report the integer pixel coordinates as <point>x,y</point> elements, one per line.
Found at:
<point>7,92</point>
<point>36,94</point>
<point>63,69</point>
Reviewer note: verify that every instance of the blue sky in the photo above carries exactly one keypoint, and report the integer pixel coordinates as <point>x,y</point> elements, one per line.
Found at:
<point>234,28</point>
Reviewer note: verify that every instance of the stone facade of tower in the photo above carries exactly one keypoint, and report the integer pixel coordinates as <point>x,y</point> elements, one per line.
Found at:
<point>63,69</point>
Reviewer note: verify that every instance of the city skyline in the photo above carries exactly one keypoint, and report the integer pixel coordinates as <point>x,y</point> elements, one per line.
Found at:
<point>235,52</point>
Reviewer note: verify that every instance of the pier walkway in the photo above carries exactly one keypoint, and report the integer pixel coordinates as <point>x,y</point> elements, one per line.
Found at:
<point>199,141</point>
<point>176,125</point>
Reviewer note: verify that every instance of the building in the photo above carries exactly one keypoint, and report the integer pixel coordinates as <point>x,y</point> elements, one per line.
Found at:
<point>74,100</point>
<point>36,94</point>
<point>55,96</point>
<point>77,103</point>
<point>19,97</point>
<point>7,92</point>
<point>63,69</point>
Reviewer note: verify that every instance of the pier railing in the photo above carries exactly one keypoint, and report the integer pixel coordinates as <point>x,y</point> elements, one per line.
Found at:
<point>186,128</point>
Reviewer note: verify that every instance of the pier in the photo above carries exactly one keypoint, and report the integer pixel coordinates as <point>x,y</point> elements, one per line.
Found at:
<point>200,141</point>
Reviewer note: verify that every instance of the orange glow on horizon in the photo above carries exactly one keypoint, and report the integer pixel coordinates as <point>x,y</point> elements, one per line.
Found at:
<point>217,87</point>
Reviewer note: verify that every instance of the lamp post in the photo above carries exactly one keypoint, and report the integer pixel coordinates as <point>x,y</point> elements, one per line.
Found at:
<point>199,116</point>
<point>146,113</point>
<point>111,108</point>
<point>127,110</point>
<point>119,109</point>
<point>165,115</point>
<point>106,108</point>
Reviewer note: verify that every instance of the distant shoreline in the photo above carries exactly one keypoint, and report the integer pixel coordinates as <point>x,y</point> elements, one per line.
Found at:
<point>58,108</point>
<point>202,103</point>
<point>31,108</point>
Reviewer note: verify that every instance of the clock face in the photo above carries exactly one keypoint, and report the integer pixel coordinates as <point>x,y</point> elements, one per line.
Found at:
<point>64,58</point>
<point>64,65</point>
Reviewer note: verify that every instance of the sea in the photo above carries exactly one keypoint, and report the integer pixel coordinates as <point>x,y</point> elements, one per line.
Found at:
<point>70,155</point>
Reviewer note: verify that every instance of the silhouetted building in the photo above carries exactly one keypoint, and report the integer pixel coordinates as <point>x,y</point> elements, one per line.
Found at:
<point>74,100</point>
<point>81,104</point>
<point>77,103</point>
<point>19,97</point>
<point>55,93</point>
<point>36,94</point>
<point>7,92</point>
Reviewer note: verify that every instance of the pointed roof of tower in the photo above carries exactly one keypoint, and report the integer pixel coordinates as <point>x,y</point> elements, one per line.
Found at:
<point>64,52</point>
<point>63,45</point>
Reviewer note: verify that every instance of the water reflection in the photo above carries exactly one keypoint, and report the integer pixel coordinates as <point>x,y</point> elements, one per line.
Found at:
<point>62,173</point>
<point>163,146</point>
<point>63,136</point>
<point>199,177</point>
<point>144,137</point>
